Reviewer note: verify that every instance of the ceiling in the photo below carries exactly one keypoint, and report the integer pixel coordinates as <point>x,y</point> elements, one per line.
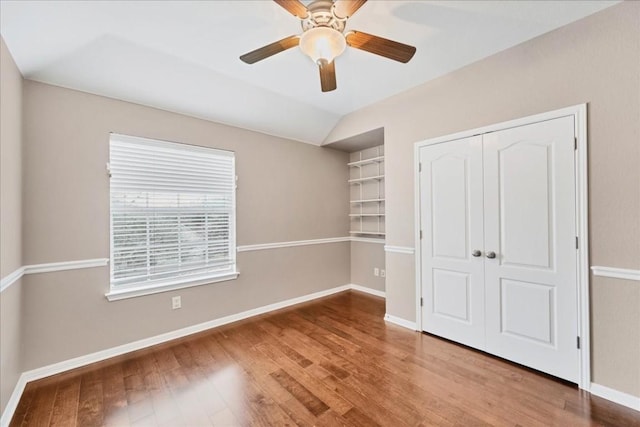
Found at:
<point>182,56</point>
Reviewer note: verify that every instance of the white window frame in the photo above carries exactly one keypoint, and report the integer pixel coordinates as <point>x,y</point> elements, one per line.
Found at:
<point>147,287</point>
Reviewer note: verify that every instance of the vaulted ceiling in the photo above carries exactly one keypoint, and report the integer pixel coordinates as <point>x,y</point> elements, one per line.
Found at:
<point>182,56</point>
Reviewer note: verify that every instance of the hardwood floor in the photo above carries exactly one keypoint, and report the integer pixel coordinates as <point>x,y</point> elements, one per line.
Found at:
<point>331,362</point>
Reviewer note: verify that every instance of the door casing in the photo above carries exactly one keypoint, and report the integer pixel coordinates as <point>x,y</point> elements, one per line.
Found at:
<point>579,113</point>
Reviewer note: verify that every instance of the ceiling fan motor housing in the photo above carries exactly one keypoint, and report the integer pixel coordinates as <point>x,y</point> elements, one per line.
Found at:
<point>322,14</point>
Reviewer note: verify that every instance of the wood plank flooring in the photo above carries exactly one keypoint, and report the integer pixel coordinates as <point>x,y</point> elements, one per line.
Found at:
<point>331,362</point>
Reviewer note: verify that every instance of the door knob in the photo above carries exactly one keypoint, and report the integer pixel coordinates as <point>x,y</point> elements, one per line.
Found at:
<point>476,253</point>
<point>491,254</point>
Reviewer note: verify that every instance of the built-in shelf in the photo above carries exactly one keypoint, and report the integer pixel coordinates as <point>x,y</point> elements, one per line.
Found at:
<point>366,207</point>
<point>367,201</point>
<point>366,161</point>
<point>368,178</point>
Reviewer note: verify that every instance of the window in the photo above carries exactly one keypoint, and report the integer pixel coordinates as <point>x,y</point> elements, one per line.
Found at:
<point>172,215</point>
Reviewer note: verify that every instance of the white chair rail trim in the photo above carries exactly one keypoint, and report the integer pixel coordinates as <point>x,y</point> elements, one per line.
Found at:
<point>49,267</point>
<point>367,240</point>
<point>276,245</point>
<point>399,249</point>
<point>13,277</point>
<point>616,273</point>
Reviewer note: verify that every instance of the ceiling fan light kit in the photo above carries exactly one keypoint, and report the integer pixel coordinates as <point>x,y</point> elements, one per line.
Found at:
<point>323,38</point>
<point>322,43</point>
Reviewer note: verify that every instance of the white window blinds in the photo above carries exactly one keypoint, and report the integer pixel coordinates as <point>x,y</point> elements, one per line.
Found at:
<point>172,212</point>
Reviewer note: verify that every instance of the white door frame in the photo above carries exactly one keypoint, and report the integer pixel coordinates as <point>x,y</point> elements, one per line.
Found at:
<point>579,112</point>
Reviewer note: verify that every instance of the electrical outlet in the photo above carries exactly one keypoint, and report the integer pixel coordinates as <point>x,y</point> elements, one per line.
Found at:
<point>383,273</point>
<point>176,302</point>
<point>376,271</point>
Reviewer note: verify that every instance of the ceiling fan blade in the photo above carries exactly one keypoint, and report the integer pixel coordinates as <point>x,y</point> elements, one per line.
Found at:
<point>294,7</point>
<point>327,75</point>
<point>381,46</point>
<point>270,49</point>
<point>346,8</point>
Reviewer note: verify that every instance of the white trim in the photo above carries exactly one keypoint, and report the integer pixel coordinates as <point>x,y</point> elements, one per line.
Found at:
<point>99,262</point>
<point>616,273</point>
<point>262,246</point>
<point>14,399</point>
<point>579,112</point>
<point>50,267</point>
<point>65,265</point>
<point>624,399</point>
<point>366,240</point>
<point>120,294</point>
<point>417,227</point>
<point>399,249</point>
<point>11,278</point>
<point>165,144</point>
<point>549,115</point>
<point>56,368</point>
<point>582,231</point>
<point>400,322</point>
<point>367,290</point>
<point>98,356</point>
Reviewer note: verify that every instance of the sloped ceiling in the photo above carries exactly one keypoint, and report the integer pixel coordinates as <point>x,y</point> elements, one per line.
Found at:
<point>182,56</point>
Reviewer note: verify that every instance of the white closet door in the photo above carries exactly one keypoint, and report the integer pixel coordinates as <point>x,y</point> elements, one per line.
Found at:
<point>529,222</point>
<point>451,218</point>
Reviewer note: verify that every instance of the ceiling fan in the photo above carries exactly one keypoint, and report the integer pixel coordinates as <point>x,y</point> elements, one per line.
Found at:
<point>323,37</point>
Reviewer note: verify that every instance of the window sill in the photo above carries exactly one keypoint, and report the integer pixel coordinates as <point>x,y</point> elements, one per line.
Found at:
<point>134,292</point>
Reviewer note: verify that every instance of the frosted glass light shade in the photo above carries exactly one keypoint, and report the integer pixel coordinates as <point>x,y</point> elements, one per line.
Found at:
<point>322,43</point>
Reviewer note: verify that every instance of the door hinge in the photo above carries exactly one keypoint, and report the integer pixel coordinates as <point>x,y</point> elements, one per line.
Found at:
<point>420,234</point>
<point>109,169</point>
<point>575,143</point>
<point>577,246</point>
<point>420,167</point>
<point>578,342</point>
<point>421,302</point>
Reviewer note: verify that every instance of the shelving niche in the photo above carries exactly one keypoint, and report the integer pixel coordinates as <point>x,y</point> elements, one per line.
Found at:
<point>367,201</point>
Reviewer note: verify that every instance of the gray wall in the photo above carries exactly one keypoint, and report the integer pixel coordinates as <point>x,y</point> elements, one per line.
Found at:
<point>10,163</point>
<point>365,257</point>
<point>594,60</point>
<point>10,340</point>
<point>10,220</point>
<point>286,191</point>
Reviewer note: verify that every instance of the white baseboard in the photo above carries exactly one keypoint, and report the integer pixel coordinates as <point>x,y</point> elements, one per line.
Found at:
<point>56,368</point>
<point>616,396</point>
<point>13,401</point>
<point>367,290</point>
<point>400,322</point>
<point>77,362</point>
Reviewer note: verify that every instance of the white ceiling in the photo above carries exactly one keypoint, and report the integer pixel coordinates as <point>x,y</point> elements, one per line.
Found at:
<point>182,56</point>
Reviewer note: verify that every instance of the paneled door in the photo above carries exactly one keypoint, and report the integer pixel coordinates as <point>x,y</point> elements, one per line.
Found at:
<point>452,263</point>
<point>498,250</point>
<point>530,225</point>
